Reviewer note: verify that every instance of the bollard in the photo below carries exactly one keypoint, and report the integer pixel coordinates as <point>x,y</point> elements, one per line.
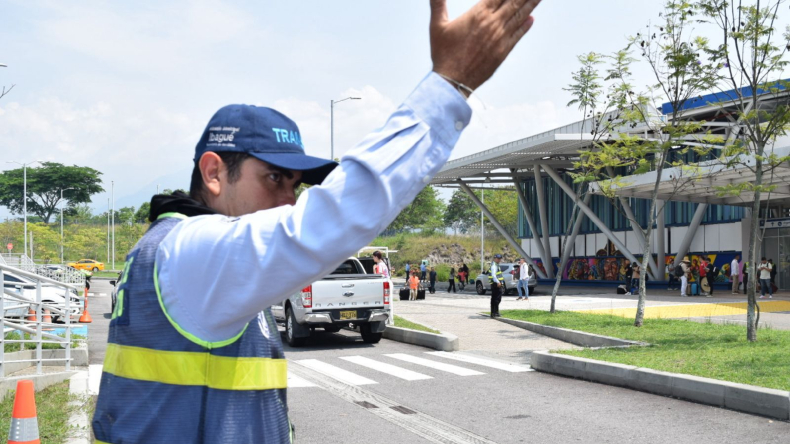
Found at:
<point>86,317</point>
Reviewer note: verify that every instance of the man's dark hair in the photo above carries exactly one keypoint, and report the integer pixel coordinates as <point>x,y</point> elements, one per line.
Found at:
<point>232,162</point>
<point>763,258</point>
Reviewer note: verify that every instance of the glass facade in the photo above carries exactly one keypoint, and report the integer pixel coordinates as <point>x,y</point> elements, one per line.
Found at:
<point>560,207</point>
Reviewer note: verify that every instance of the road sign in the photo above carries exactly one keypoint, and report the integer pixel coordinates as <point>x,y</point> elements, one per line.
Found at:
<point>10,246</point>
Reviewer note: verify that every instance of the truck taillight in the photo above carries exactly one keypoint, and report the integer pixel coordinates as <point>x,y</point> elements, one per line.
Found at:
<point>307,297</point>
<point>386,293</point>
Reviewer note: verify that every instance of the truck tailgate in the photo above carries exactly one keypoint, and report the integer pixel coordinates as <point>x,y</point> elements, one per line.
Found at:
<point>349,291</point>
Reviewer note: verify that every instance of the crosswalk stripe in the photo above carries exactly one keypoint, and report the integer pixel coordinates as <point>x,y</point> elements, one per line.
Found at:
<point>336,372</point>
<point>460,371</point>
<point>297,381</point>
<point>386,368</point>
<point>512,368</point>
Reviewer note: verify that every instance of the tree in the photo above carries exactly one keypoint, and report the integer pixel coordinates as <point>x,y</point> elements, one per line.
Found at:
<point>424,212</point>
<point>44,185</point>
<point>141,216</point>
<point>461,213</point>
<point>752,57</point>
<point>675,59</point>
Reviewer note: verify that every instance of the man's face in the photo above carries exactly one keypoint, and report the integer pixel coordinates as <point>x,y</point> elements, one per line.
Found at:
<point>260,186</point>
<point>497,259</point>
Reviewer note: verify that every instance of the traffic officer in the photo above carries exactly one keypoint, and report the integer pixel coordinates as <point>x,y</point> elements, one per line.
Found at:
<point>497,285</point>
<point>193,353</point>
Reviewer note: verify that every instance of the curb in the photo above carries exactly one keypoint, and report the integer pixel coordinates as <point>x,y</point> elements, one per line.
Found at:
<point>8,385</point>
<point>79,423</point>
<point>571,336</point>
<point>79,358</point>
<point>441,342</point>
<point>741,397</point>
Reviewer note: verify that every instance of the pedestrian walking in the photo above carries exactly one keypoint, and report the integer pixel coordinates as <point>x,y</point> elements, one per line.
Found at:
<point>746,276</point>
<point>634,288</point>
<point>423,271</point>
<point>452,280</point>
<point>672,279</point>
<point>408,268</point>
<point>381,266</point>
<point>703,276</point>
<point>414,286</point>
<point>629,270</point>
<point>523,280</point>
<point>773,273</point>
<point>497,282</point>
<point>711,273</point>
<point>735,273</point>
<point>765,278</point>
<point>432,280</point>
<point>464,276</point>
<point>684,278</point>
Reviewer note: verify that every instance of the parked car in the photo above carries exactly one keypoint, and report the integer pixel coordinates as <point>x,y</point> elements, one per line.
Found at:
<point>347,296</point>
<point>53,295</point>
<point>510,273</point>
<point>87,264</point>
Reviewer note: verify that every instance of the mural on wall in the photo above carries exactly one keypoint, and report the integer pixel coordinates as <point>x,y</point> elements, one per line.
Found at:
<point>613,268</point>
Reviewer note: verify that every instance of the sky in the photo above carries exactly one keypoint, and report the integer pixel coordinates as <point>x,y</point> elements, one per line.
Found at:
<point>128,87</point>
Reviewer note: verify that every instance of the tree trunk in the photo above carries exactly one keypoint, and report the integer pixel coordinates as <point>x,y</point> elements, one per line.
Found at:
<point>646,253</point>
<point>754,228</point>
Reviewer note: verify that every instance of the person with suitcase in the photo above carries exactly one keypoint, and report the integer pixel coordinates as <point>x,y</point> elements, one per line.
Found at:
<point>711,273</point>
<point>414,285</point>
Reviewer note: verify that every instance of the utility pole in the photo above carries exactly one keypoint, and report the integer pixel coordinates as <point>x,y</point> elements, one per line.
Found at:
<point>332,124</point>
<point>113,223</point>
<point>108,231</point>
<point>482,236</point>
<point>24,193</point>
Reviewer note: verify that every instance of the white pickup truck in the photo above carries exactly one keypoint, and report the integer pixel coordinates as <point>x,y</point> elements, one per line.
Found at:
<point>347,296</point>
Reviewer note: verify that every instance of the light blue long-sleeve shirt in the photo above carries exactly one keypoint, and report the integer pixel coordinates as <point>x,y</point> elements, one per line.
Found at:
<point>216,272</point>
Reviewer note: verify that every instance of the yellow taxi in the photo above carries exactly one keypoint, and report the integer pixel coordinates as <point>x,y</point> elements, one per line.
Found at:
<point>87,264</point>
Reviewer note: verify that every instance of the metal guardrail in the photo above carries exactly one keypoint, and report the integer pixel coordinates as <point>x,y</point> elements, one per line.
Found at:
<point>35,328</point>
<point>62,273</point>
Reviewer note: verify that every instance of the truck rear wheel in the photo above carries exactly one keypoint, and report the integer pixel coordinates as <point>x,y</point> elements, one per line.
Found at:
<point>293,341</point>
<point>368,336</point>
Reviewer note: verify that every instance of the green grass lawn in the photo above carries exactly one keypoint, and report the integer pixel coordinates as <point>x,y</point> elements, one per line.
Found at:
<point>400,322</point>
<point>709,350</point>
<point>53,409</point>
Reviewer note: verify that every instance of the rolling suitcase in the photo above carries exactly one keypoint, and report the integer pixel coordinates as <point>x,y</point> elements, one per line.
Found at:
<point>420,294</point>
<point>694,289</point>
<point>404,294</point>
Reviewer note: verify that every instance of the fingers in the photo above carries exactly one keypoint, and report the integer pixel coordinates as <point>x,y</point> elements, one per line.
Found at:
<point>520,31</point>
<point>517,13</point>
<point>438,12</point>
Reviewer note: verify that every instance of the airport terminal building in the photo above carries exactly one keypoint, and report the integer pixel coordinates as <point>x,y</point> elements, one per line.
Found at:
<point>695,221</point>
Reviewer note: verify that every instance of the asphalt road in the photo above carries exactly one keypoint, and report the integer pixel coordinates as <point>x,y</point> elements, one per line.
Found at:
<point>495,406</point>
<point>100,309</point>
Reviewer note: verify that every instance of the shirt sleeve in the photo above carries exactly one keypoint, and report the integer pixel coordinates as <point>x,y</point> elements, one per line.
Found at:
<point>216,272</point>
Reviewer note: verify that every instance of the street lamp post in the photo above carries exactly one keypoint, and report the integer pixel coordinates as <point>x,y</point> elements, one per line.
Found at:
<point>332,124</point>
<point>24,192</point>
<point>61,222</point>
<point>113,223</point>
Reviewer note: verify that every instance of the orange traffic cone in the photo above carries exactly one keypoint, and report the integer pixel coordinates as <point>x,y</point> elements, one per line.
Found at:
<point>31,315</point>
<point>86,317</point>
<point>24,423</point>
<point>47,316</point>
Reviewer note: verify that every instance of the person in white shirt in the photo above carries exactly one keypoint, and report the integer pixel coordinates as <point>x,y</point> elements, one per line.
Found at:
<point>765,278</point>
<point>523,280</point>
<point>381,266</point>
<point>735,274</point>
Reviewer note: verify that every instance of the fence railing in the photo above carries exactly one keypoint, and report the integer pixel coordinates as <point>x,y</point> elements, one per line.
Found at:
<point>25,314</point>
<point>58,272</point>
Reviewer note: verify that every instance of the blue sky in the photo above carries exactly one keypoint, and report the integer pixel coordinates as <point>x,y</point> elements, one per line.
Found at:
<point>127,87</point>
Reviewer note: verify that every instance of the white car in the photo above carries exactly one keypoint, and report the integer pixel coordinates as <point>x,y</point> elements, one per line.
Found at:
<point>53,295</point>
<point>509,271</point>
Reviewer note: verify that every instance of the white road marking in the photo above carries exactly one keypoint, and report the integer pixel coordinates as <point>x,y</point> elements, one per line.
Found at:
<point>460,371</point>
<point>297,381</point>
<point>335,372</point>
<point>386,368</point>
<point>508,367</point>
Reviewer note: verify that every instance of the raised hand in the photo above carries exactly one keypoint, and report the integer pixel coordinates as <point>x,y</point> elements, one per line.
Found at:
<point>470,48</point>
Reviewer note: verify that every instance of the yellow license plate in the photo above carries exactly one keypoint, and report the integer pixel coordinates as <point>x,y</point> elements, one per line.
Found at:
<point>348,314</point>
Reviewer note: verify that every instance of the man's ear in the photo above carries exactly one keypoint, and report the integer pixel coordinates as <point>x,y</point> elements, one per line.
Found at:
<point>211,167</point>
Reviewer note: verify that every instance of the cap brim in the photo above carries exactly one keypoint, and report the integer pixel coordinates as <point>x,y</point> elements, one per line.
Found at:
<point>314,169</point>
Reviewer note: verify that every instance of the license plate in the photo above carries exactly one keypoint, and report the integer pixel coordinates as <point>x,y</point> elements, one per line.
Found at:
<point>348,314</point>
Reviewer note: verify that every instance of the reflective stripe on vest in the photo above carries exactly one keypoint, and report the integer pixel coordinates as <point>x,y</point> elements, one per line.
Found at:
<point>192,368</point>
<point>498,276</point>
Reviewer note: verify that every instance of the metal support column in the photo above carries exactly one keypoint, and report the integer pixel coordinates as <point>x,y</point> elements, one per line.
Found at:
<point>693,227</point>
<point>544,220</point>
<point>653,270</point>
<point>576,227</point>
<point>530,220</point>
<point>501,229</point>
<point>590,213</point>
<point>661,243</point>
